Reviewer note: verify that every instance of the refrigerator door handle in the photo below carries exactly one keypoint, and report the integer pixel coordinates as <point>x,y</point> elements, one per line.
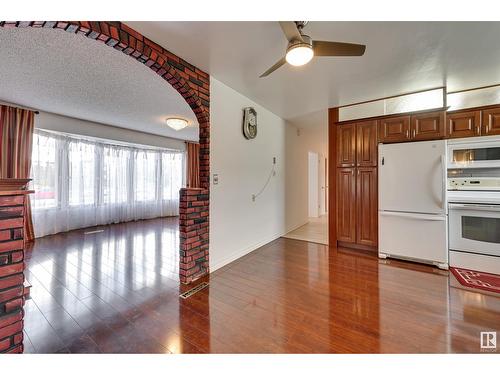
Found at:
<point>445,181</point>
<point>414,216</point>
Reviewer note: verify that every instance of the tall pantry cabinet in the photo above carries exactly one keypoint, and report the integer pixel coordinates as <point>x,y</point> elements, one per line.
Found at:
<point>357,196</point>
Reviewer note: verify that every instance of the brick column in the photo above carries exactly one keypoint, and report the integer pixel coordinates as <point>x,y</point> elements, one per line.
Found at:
<point>193,229</point>
<point>11,272</point>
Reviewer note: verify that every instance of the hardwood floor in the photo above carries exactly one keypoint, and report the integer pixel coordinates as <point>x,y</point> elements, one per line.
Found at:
<point>117,291</point>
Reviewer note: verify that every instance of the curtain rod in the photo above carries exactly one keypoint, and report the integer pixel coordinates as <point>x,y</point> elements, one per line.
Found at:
<point>19,106</point>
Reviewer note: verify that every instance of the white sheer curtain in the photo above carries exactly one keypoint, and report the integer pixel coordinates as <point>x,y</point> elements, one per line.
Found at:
<point>80,183</point>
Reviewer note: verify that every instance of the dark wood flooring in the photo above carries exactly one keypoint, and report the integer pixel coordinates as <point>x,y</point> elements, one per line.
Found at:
<point>117,291</point>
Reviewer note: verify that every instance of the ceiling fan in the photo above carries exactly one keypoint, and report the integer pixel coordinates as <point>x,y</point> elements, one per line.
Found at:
<point>301,48</point>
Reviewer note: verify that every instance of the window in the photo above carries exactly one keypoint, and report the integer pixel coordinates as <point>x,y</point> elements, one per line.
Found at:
<point>44,172</point>
<point>145,176</point>
<point>82,176</point>
<point>84,182</point>
<point>172,165</point>
<point>116,163</point>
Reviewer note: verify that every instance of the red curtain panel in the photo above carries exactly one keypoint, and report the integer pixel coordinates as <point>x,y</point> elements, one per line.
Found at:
<point>16,140</point>
<point>193,165</point>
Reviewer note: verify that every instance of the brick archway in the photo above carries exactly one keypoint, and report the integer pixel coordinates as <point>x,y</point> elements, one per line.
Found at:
<point>194,86</point>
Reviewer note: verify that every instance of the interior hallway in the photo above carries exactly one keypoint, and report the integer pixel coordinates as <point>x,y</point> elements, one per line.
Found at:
<point>316,230</point>
<point>117,291</point>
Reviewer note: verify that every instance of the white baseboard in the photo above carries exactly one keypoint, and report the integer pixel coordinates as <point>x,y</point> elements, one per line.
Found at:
<point>242,252</point>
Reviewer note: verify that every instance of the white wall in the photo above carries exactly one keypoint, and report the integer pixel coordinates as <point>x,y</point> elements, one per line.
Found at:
<point>237,224</point>
<point>300,140</point>
<point>313,184</point>
<point>54,122</point>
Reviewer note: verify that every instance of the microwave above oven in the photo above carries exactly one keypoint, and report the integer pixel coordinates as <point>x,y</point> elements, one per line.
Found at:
<point>483,152</point>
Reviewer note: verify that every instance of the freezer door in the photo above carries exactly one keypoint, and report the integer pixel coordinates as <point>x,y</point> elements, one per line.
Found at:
<point>414,236</point>
<point>412,177</point>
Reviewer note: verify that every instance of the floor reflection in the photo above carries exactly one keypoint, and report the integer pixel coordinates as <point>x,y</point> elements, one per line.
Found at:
<point>92,291</point>
<point>118,291</point>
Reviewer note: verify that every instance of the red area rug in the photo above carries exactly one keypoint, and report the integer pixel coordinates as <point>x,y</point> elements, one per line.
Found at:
<point>476,279</point>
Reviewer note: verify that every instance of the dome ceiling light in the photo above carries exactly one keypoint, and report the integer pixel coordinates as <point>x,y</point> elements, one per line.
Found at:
<point>177,123</point>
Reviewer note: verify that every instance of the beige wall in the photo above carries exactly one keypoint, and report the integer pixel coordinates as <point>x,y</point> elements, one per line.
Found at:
<point>299,140</point>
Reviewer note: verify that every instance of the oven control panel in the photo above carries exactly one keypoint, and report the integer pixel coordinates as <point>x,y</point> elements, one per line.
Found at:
<point>472,183</point>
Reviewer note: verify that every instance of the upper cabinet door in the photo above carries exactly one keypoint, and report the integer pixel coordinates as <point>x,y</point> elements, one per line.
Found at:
<point>366,144</point>
<point>491,122</point>
<point>346,145</point>
<point>427,126</point>
<point>394,129</point>
<point>463,124</point>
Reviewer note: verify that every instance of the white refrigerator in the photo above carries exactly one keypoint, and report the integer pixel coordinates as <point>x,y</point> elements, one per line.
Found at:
<point>413,220</point>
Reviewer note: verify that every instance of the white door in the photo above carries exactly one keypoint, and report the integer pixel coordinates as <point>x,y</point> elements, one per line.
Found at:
<point>322,185</point>
<point>412,177</point>
<point>313,184</point>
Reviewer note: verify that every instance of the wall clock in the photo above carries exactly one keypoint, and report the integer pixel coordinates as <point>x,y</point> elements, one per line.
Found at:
<point>249,123</point>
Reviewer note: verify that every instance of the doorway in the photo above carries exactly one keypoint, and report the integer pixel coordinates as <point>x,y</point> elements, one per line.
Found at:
<point>316,227</point>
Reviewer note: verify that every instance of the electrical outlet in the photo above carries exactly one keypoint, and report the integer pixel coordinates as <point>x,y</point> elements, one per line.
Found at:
<point>216,179</point>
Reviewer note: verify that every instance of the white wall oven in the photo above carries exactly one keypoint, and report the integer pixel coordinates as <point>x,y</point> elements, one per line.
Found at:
<point>474,204</point>
<point>476,228</point>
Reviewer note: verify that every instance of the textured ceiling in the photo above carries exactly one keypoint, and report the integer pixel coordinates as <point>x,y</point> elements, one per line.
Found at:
<point>72,75</point>
<point>400,57</point>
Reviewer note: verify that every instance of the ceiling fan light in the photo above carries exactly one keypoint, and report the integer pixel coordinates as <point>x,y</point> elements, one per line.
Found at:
<point>177,123</point>
<point>300,54</point>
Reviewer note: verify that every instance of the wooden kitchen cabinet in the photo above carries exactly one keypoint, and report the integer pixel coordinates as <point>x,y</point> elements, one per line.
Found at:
<point>346,205</point>
<point>394,129</point>
<point>427,126</point>
<point>346,145</point>
<point>490,124</point>
<point>356,184</point>
<point>367,206</point>
<point>366,144</point>
<point>463,124</point>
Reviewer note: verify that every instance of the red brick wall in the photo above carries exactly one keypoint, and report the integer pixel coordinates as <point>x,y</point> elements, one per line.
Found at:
<point>194,86</point>
<point>11,273</point>
<point>193,228</point>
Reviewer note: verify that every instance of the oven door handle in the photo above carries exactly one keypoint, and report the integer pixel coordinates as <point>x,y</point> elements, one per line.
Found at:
<point>475,207</point>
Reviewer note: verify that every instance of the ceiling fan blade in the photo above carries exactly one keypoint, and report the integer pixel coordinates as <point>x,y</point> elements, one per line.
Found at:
<point>322,48</point>
<point>290,30</point>
<point>280,62</point>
